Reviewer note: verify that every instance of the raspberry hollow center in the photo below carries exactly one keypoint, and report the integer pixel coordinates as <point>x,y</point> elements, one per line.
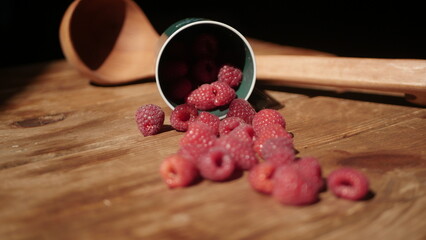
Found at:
<point>185,117</point>
<point>218,159</point>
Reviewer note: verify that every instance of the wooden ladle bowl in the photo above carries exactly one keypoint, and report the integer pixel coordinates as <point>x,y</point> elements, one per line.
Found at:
<point>109,41</point>
<point>113,42</point>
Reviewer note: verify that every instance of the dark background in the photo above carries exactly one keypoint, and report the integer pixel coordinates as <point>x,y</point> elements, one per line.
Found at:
<point>29,29</point>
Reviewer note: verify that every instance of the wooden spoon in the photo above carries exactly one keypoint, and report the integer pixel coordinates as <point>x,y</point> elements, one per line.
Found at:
<point>406,76</point>
<point>113,42</point>
<point>109,41</point>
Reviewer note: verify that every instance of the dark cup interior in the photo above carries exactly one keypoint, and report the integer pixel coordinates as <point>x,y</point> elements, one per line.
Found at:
<point>195,53</point>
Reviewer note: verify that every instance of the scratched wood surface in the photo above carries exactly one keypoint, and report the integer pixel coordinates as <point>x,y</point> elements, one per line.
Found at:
<point>74,166</point>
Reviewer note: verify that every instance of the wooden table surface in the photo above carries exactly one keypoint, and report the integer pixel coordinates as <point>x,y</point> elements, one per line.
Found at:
<point>74,166</point>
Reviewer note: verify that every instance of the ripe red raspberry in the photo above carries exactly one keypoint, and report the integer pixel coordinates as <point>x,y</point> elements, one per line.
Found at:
<point>177,171</point>
<point>182,115</point>
<point>205,45</point>
<point>348,183</point>
<point>224,94</point>
<point>230,75</point>
<point>179,89</point>
<point>310,168</point>
<point>193,152</point>
<point>202,98</point>
<point>216,164</point>
<point>244,132</point>
<point>174,69</point>
<point>281,156</point>
<point>210,119</point>
<point>227,124</point>
<point>261,177</point>
<point>271,145</point>
<point>242,152</point>
<point>209,96</point>
<point>268,132</point>
<point>291,188</point>
<point>267,117</point>
<point>149,119</point>
<point>204,71</point>
<point>198,133</point>
<point>241,108</point>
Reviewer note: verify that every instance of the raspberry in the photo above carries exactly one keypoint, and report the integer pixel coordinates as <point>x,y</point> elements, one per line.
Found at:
<point>272,131</point>
<point>174,69</point>
<point>210,119</point>
<point>177,171</point>
<point>182,115</point>
<point>149,119</point>
<point>179,89</point>
<point>242,152</point>
<point>267,117</point>
<point>291,188</point>
<point>209,96</point>
<point>310,168</point>
<point>216,164</point>
<point>193,152</point>
<point>348,183</point>
<point>271,145</point>
<point>230,75</point>
<point>203,97</point>
<point>198,133</point>
<point>260,177</point>
<point>244,132</point>
<point>224,94</point>
<point>281,156</point>
<point>205,45</point>
<point>268,132</point>
<point>227,124</point>
<point>204,70</point>
<point>241,108</point>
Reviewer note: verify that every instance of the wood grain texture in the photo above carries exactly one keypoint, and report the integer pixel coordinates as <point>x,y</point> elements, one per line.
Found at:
<point>406,76</point>
<point>74,166</point>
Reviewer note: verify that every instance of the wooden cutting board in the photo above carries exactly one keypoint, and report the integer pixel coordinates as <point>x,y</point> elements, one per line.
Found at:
<point>74,166</point>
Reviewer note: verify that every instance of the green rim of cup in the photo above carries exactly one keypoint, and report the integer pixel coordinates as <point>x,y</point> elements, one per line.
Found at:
<point>183,27</point>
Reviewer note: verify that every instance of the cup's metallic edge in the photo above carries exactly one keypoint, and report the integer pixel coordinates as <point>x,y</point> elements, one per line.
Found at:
<point>183,24</point>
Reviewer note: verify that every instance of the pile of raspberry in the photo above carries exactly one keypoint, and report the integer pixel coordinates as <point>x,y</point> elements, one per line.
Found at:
<point>246,141</point>
<point>199,73</point>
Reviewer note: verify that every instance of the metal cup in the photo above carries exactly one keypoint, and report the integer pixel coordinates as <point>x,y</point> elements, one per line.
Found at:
<point>177,44</point>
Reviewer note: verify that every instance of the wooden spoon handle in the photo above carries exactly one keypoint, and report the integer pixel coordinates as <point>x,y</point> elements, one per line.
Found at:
<point>393,75</point>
